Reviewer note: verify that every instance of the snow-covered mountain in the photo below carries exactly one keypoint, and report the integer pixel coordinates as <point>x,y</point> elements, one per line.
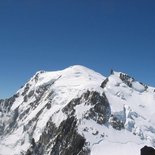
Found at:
<point>77,111</point>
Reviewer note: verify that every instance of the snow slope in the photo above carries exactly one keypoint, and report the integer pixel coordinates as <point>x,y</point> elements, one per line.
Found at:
<point>53,97</point>
<point>133,106</point>
<point>63,86</point>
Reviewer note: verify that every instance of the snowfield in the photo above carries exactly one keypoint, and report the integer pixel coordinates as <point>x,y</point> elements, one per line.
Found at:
<point>44,97</point>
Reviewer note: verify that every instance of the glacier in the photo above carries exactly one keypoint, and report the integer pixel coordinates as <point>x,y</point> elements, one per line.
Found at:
<point>78,111</point>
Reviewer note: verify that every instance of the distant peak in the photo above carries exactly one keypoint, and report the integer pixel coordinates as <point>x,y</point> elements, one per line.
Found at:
<point>129,81</point>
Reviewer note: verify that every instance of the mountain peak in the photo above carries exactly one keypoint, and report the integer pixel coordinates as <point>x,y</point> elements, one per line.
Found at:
<point>77,76</point>
<point>78,111</point>
<point>78,67</point>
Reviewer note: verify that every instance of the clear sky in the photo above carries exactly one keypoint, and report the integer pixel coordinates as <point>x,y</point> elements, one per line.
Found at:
<point>54,34</point>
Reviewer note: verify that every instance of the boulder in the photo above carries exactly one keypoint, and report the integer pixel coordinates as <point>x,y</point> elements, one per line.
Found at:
<point>147,151</point>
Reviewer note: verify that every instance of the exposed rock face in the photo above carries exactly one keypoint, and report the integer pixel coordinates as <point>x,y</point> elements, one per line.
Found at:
<point>126,79</point>
<point>68,141</point>
<point>7,115</point>
<point>103,85</point>
<point>59,141</point>
<point>129,80</point>
<point>100,110</point>
<point>65,139</point>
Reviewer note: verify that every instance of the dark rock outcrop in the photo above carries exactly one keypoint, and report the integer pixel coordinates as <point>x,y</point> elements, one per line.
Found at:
<point>127,79</point>
<point>6,114</point>
<point>68,142</point>
<point>100,111</point>
<point>147,151</point>
<point>104,83</point>
<point>65,139</point>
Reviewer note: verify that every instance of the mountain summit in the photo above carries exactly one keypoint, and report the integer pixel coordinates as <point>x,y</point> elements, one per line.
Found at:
<point>77,111</point>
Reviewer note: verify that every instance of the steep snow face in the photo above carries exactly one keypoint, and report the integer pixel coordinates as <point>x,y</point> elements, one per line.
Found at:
<point>42,98</point>
<point>78,111</point>
<point>67,83</point>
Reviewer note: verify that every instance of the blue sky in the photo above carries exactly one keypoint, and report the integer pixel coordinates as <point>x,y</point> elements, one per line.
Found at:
<point>54,34</point>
